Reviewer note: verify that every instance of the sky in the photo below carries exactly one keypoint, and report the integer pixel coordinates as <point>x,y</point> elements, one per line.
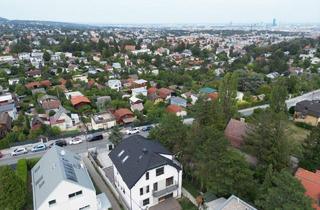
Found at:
<point>163,11</point>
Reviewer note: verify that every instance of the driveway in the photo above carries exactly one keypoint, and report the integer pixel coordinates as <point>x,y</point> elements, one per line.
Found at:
<point>101,184</point>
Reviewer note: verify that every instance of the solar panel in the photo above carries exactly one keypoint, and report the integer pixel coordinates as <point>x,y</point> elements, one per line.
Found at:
<point>69,171</point>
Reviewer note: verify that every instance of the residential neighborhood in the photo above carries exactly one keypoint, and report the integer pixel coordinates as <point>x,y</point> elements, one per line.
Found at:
<point>115,116</point>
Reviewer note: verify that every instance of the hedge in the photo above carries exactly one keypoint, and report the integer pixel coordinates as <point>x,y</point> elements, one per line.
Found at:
<point>304,125</point>
<point>22,170</point>
<point>32,162</point>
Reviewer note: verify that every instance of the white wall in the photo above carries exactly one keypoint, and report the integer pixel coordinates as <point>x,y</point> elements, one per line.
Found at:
<point>60,194</point>
<point>137,199</point>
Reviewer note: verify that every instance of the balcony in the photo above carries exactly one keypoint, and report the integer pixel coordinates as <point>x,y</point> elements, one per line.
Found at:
<point>165,191</point>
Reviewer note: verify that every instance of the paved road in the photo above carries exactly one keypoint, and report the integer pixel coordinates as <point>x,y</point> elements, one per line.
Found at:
<point>79,148</point>
<point>101,184</point>
<point>314,95</point>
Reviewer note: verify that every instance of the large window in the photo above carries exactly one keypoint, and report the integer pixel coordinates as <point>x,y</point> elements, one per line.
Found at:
<point>159,171</point>
<point>147,189</point>
<point>146,201</point>
<point>147,176</point>
<point>141,191</point>
<point>169,181</point>
<point>52,202</point>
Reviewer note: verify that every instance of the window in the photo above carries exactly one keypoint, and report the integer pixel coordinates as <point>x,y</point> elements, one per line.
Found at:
<point>85,207</point>
<point>141,191</point>
<point>146,201</point>
<point>147,176</point>
<point>75,194</point>
<point>52,202</point>
<point>169,181</point>
<point>159,171</point>
<point>147,189</point>
<point>155,186</point>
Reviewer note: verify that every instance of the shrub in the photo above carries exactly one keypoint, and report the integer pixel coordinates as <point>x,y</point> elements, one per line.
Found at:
<point>304,125</point>
<point>32,162</point>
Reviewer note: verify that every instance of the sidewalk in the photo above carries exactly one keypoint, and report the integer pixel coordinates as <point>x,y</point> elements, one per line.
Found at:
<point>100,183</point>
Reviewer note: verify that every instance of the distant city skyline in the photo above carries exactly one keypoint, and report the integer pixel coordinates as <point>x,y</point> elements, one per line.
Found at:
<point>163,11</point>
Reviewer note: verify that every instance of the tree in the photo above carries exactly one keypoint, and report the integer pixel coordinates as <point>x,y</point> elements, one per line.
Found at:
<point>170,132</point>
<point>228,94</point>
<point>278,97</point>
<point>281,190</point>
<point>115,136</point>
<point>13,191</point>
<point>267,141</point>
<point>311,151</point>
<point>46,56</point>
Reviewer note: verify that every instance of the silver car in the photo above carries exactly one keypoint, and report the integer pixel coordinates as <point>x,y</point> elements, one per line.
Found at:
<point>19,151</point>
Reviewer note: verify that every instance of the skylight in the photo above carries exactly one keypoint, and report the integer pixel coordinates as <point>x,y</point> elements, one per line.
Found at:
<point>124,159</point>
<point>122,151</point>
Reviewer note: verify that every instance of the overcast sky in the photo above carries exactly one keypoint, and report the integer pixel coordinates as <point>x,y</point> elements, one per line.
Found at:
<point>163,11</point>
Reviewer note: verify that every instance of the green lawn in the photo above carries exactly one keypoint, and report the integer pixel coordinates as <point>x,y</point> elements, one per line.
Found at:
<point>186,204</point>
<point>296,136</point>
<point>192,188</point>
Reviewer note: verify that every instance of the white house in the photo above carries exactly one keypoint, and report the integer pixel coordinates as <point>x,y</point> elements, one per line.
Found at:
<point>6,58</point>
<point>60,180</point>
<point>13,81</point>
<point>114,84</point>
<point>145,173</point>
<point>64,120</point>
<point>139,91</point>
<point>103,120</point>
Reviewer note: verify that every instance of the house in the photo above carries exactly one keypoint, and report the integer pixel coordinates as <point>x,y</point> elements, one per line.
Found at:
<point>103,120</point>
<point>307,112</point>
<point>207,90</point>
<point>232,203</point>
<point>5,124</point>
<point>34,73</point>
<point>114,84</point>
<point>69,95</point>
<point>178,101</point>
<point>177,110</point>
<point>116,66</point>
<point>33,85</point>
<point>136,104</point>
<point>139,91</point>
<point>239,96</point>
<point>164,93</point>
<point>48,102</point>
<point>190,95</point>
<point>145,173</point>
<point>311,183</point>
<point>79,101</point>
<point>82,78</point>
<point>13,81</point>
<point>64,120</point>
<point>124,116</point>
<point>235,132</point>
<point>140,83</point>
<point>8,104</point>
<point>60,180</point>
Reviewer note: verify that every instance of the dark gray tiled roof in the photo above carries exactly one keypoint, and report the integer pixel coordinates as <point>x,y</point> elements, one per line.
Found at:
<point>140,155</point>
<point>309,108</point>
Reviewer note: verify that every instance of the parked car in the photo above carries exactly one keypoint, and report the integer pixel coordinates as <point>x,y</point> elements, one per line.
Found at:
<point>60,143</point>
<point>1,155</point>
<point>76,140</point>
<point>132,131</point>
<point>19,151</point>
<point>147,128</point>
<point>96,137</point>
<point>39,147</point>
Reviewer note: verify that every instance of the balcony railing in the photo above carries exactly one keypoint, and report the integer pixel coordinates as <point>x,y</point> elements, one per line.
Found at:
<point>165,191</point>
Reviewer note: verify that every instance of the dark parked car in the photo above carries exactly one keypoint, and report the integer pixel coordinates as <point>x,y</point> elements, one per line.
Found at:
<point>60,143</point>
<point>147,128</point>
<point>1,155</point>
<point>96,138</point>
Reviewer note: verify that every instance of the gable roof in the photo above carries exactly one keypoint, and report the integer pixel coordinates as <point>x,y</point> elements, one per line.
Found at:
<point>235,203</point>
<point>56,166</point>
<point>307,107</point>
<point>135,155</point>
<point>235,132</point>
<point>172,108</point>
<point>75,100</point>
<point>311,182</point>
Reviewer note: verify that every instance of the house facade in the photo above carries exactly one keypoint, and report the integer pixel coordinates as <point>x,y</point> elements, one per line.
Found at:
<point>145,173</point>
<point>60,180</point>
<point>103,120</point>
<point>307,112</point>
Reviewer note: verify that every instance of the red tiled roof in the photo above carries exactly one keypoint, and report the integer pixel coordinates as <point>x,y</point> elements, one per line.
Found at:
<point>62,81</point>
<point>91,82</point>
<point>54,104</point>
<point>311,182</point>
<point>32,85</point>
<point>152,90</point>
<point>45,83</point>
<point>120,113</point>
<point>235,132</point>
<point>174,108</point>
<point>79,99</point>
<point>213,96</point>
<point>164,92</point>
